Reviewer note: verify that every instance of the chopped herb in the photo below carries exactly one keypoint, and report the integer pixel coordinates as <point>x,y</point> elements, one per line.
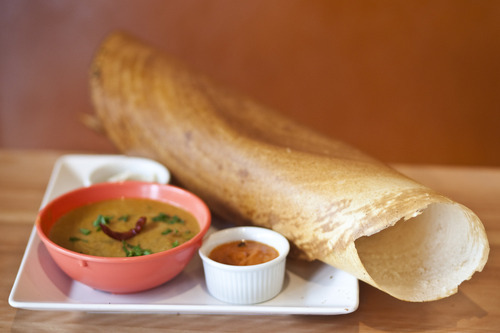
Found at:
<point>124,218</point>
<point>85,231</point>
<point>175,243</point>
<point>166,232</point>
<point>76,239</point>
<point>134,250</point>
<point>101,219</point>
<point>176,219</point>
<point>162,217</point>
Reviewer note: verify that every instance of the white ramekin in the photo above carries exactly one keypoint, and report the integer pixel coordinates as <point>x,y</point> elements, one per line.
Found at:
<point>245,284</point>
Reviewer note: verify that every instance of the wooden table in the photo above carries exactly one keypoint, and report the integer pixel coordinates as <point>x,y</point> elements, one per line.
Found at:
<point>475,308</point>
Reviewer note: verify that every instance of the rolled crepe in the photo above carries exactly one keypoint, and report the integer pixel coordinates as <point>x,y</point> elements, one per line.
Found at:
<point>253,166</point>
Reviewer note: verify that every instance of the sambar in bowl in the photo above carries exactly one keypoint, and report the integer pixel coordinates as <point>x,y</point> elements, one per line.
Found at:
<point>123,237</point>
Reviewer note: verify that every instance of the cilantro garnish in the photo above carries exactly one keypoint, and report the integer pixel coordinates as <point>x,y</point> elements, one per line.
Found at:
<point>101,219</point>
<point>162,217</point>
<point>166,232</point>
<point>134,250</point>
<point>85,231</point>
<point>124,218</point>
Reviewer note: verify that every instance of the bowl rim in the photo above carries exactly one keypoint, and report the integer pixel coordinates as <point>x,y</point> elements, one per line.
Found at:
<point>251,229</point>
<point>198,238</point>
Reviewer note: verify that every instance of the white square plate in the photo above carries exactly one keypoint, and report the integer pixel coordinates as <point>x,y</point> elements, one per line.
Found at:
<point>310,288</point>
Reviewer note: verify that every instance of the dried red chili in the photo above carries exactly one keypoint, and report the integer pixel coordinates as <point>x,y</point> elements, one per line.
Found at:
<point>127,234</point>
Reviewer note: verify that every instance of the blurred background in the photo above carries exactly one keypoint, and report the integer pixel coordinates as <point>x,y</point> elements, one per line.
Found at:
<point>405,81</point>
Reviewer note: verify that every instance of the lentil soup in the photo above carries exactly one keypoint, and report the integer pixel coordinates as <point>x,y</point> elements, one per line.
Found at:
<point>113,228</point>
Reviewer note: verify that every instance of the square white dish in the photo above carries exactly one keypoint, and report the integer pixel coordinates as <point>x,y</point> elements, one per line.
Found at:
<point>309,289</point>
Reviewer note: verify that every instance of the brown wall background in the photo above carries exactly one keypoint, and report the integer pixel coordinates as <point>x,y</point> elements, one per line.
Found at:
<point>406,81</point>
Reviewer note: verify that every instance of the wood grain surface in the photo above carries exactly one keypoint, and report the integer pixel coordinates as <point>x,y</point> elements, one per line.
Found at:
<point>475,308</point>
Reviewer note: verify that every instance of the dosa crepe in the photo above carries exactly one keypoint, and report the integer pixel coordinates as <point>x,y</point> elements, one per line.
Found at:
<point>254,166</point>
